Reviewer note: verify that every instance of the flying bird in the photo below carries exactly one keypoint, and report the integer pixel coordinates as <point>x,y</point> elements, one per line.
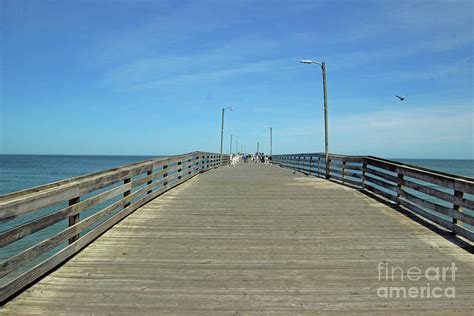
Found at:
<point>401,98</point>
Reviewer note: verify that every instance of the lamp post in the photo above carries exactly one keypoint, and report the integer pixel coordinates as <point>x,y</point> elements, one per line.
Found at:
<point>230,151</point>
<point>271,149</point>
<point>326,142</point>
<point>222,129</point>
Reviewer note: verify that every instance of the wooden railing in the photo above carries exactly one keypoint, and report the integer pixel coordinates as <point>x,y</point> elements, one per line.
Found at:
<point>44,226</point>
<point>445,199</point>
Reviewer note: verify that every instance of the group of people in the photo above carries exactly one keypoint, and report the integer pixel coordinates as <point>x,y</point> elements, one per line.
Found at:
<point>245,158</point>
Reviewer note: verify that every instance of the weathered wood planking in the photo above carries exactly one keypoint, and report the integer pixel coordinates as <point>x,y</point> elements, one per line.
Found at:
<point>252,239</point>
<point>389,179</point>
<point>174,170</point>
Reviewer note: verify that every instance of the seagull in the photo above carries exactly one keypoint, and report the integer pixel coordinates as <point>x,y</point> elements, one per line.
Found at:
<point>401,98</point>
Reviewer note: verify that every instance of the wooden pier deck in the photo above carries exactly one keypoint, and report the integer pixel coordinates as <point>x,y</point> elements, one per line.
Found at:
<point>253,239</point>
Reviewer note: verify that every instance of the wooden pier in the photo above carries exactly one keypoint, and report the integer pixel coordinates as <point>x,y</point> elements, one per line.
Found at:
<point>248,239</point>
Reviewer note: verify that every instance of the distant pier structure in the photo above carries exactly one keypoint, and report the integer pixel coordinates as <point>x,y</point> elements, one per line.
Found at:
<point>190,234</point>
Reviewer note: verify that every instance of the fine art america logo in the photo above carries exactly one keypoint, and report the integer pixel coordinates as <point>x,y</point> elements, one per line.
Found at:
<point>431,282</point>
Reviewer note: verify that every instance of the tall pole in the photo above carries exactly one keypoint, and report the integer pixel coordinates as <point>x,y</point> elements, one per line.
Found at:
<point>326,137</point>
<point>257,148</point>
<point>222,134</point>
<point>271,149</point>
<point>326,141</point>
<point>237,145</point>
<point>230,151</point>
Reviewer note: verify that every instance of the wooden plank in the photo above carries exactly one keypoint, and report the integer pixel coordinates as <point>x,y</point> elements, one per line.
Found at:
<point>345,158</point>
<point>464,186</point>
<point>382,184</point>
<point>429,190</point>
<point>380,164</point>
<point>469,235</point>
<point>429,205</point>
<point>380,192</point>
<point>427,177</point>
<point>383,175</point>
<point>35,225</point>
<point>346,180</point>
<point>432,217</point>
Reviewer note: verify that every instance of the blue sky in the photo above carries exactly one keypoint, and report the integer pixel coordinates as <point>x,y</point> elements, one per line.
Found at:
<point>150,77</point>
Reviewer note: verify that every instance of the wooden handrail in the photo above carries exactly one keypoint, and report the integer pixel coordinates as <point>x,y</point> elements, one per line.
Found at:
<point>437,196</point>
<point>111,195</point>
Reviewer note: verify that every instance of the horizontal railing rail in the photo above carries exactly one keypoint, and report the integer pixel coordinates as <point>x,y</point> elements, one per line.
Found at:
<point>43,226</point>
<point>442,198</point>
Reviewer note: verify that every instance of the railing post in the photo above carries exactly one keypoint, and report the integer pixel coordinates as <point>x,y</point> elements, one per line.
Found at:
<point>400,187</point>
<point>364,171</point>
<point>319,160</point>
<point>456,207</point>
<point>179,169</point>
<point>343,170</point>
<point>190,166</point>
<point>126,193</point>
<point>328,168</point>
<point>310,163</point>
<point>165,175</point>
<point>148,173</point>
<point>74,219</point>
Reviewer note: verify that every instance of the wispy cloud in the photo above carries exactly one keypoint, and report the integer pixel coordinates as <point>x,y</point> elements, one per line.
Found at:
<point>152,74</point>
<point>443,131</point>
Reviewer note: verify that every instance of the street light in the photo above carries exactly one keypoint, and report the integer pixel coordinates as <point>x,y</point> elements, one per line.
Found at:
<point>326,142</point>
<point>270,138</point>
<point>222,129</point>
<point>230,151</point>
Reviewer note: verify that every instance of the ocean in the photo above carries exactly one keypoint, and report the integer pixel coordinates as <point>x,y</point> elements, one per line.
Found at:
<point>461,167</point>
<point>19,172</point>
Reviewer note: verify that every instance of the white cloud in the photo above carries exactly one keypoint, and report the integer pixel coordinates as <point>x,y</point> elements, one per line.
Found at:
<point>439,131</point>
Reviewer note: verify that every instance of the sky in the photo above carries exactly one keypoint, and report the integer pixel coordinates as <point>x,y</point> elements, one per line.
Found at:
<point>135,77</point>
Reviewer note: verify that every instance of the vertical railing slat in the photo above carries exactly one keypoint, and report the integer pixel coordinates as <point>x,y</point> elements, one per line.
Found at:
<point>74,219</point>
